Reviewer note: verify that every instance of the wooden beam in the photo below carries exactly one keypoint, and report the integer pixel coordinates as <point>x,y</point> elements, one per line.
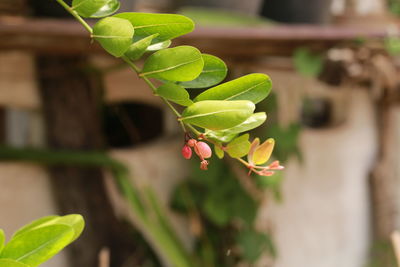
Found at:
<point>69,37</point>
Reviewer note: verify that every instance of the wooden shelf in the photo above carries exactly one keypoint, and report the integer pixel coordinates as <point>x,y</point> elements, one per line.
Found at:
<point>69,37</point>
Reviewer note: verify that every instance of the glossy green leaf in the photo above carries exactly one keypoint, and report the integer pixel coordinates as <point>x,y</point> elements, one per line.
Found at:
<point>2,240</point>
<point>76,221</point>
<point>220,136</point>
<point>219,152</point>
<point>252,122</point>
<point>35,224</point>
<point>263,152</point>
<point>174,93</point>
<point>114,35</point>
<point>214,72</point>
<point>168,26</point>
<point>218,115</point>
<point>95,8</point>
<point>254,87</point>
<point>107,10</point>
<point>239,147</point>
<point>228,135</point>
<point>138,48</point>
<point>181,63</point>
<point>159,46</point>
<point>11,263</point>
<point>38,245</point>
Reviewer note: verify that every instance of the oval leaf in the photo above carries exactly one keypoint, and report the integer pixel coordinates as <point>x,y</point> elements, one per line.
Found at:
<point>220,136</point>
<point>114,35</point>
<point>254,87</point>
<point>11,263</point>
<point>239,147</point>
<point>159,46</point>
<point>76,221</point>
<point>181,63</point>
<point>37,246</point>
<point>2,240</point>
<point>35,224</point>
<point>214,72</point>
<point>138,48</point>
<point>218,115</point>
<point>175,93</point>
<point>228,135</point>
<point>107,10</point>
<point>252,122</point>
<point>86,8</point>
<point>263,152</point>
<point>168,26</point>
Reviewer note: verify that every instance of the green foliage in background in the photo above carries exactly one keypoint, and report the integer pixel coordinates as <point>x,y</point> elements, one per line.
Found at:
<point>394,7</point>
<point>40,240</point>
<point>307,63</point>
<point>225,213</point>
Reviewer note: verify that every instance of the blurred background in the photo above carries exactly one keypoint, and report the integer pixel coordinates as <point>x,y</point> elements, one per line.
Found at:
<point>334,113</point>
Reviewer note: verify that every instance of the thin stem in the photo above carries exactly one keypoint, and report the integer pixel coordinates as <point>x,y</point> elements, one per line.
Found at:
<point>149,83</point>
<point>194,130</point>
<point>76,15</point>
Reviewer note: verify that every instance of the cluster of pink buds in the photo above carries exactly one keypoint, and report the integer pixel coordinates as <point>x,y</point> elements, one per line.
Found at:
<point>202,150</point>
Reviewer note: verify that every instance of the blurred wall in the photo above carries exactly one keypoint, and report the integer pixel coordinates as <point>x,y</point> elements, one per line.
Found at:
<point>324,217</point>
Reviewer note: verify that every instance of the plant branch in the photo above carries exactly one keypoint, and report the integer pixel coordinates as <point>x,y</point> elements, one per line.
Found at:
<point>76,15</point>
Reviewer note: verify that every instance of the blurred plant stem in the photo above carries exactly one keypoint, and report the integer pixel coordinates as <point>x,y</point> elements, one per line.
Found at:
<point>146,206</point>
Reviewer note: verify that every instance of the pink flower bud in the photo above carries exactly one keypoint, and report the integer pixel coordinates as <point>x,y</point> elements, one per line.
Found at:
<point>186,152</point>
<point>203,150</point>
<point>275,166</point>
<point>266,173</point>
<point>203,165</point>
<point>191,142</point>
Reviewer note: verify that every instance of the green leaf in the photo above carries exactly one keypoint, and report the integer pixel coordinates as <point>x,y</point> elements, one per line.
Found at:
<point>252,122</point>
<point>307,63</point>
<point>11,263</point>
<point>254,87</point>
<point>217,208</point>
<point>263,152</point>
<point>181,63</point>
<point>227,135</point>
<point>218,151</point>
<point>114,35</point>
<point>168,26</point>
<point>220,136</point>
<point>214,72</point>
<point>95,8</point>
<point>253,244</point>
<point>2,240</point>
<point>76,221</point>
<point>138,48</point>
<point>239,147</point>
<point>159,46</point>
<point>35,224</point>
<point>38,245</point>
<point>218,115</point>
<point>107,10</point>
<point>175,93</point>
